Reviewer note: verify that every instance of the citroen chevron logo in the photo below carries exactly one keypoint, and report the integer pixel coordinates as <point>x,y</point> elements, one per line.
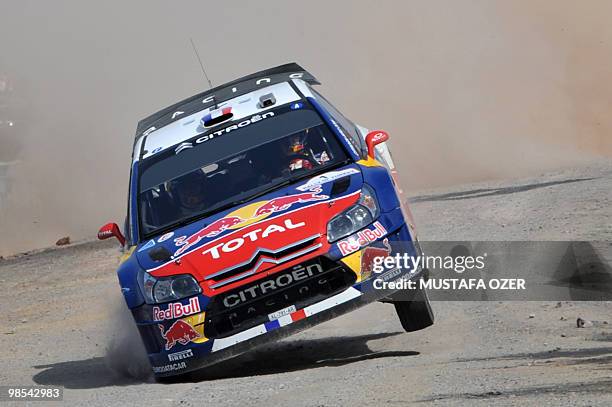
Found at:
<point>183,146</point>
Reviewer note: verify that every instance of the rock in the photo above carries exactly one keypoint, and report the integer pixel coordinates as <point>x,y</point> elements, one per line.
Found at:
<point>563,335</point>
<point>531,315</point>
<point>558,305</point>
<point>562,318</point>
<point>63,241</point>
<point>583,323</point>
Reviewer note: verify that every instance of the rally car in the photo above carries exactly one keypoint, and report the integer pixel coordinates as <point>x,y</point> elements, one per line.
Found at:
<point>255,210</point>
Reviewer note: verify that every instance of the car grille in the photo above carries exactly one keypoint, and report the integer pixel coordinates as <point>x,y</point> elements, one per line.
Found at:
<point>249,305</point>
<point>261,257</point>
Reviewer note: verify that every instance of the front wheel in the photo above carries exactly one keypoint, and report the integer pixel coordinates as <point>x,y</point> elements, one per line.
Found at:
<point>415,314</point>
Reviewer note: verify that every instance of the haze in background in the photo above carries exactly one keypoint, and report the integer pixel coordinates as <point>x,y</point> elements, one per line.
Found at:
<point>469,90</point>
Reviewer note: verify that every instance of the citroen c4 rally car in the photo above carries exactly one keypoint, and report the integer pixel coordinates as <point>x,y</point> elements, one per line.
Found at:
<point>255,210</point>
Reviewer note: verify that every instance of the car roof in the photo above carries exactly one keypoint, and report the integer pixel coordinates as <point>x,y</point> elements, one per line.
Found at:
<point>219,94</point>
<point>243,108</point>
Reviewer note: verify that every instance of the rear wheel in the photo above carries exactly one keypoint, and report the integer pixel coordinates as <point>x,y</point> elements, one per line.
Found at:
<point>415,314</point>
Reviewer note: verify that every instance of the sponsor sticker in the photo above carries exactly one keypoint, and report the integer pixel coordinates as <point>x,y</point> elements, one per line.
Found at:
<point>165,237</point>
<point>170,367</point>
<point>180,332</point>
<point>184,354</point>
<point>390,275</point>
<point>275,282</point>
<point>266,208</point>
<point>325,178</point>
<point>252,236</point>
<point>368,256</point>
<point>147,245</point>
<point>243,123</point>
<point>214,229</point>
<point>339,129</point>
<point>282,312</point>
<point>285,202</point>
<point>176,310</point>
<point>214,114</point>
<point>362,238</point>
<point>157,150</point>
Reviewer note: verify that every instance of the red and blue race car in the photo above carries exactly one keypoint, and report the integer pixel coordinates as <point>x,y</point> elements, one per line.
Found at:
<point>256,209</point>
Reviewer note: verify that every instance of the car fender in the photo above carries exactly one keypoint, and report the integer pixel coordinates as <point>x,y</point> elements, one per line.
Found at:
<point>127,273</point>
<point>381,180</point>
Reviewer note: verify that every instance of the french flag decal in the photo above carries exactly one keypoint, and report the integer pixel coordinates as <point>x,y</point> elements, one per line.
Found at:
<point>210,117</point>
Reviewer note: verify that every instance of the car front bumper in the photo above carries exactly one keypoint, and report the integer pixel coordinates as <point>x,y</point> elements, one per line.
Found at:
<point>202,351</point>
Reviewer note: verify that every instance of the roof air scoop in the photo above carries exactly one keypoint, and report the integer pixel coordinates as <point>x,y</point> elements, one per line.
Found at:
<point>266,100</point>
<point>217,116</point>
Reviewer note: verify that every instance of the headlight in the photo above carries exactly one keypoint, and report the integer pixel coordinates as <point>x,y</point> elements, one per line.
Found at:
<point>354,218</point>
<point>158,290</point>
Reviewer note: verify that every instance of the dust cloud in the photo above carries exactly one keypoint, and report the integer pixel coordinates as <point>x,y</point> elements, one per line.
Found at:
<point>125,355</point>
<point>469,90</point>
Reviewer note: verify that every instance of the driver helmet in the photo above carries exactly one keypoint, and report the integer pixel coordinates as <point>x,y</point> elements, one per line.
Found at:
<point>297,144</point>
<point>188,190</point>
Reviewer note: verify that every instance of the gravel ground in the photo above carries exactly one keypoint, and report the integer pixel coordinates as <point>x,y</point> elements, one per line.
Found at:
<point>64,323</point>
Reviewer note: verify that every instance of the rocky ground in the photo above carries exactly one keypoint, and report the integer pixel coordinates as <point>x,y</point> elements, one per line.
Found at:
<point>64,323</point>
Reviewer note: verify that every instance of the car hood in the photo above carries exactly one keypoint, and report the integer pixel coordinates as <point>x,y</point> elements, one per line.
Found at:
<point>272,229</point>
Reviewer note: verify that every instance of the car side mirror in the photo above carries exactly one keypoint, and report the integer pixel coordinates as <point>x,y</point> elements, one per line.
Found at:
<point>110,230</point>
<point>374,138</point>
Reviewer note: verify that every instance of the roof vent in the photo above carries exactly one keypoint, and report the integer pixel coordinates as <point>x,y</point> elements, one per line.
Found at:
<point>266,100</point>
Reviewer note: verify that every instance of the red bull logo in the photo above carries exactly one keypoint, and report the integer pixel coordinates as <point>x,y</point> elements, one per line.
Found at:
<point>211,230</point>
<point>361,238</point>
<point>176,310</point>
<point>220,225</point>
<point>180,332</point>
<point>369,254</point>
<point>285,202</point>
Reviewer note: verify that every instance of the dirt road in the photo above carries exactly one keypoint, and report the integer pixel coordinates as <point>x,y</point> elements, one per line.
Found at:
<point>63,324</point>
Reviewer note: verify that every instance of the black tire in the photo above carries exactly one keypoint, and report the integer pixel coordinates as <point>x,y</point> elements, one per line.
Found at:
<point>415,314</point>
<point>179,378</point>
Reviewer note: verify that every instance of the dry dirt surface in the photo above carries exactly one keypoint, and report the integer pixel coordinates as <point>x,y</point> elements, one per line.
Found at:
<point>64,324</point>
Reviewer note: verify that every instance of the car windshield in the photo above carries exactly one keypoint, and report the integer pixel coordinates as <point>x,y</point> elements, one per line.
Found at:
<point>231,165</point>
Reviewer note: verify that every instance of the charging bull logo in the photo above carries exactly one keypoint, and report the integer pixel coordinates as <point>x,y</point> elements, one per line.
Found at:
<point>211,230</point>
<point>285,202</point>
<point>369,254</point>
<point>233,221</point>
<point>180,332</point>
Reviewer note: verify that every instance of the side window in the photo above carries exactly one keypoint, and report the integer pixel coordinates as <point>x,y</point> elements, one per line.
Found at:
<point>347,126</point>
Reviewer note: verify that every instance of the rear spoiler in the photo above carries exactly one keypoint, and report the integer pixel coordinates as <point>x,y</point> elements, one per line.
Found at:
<point>223,92</point>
